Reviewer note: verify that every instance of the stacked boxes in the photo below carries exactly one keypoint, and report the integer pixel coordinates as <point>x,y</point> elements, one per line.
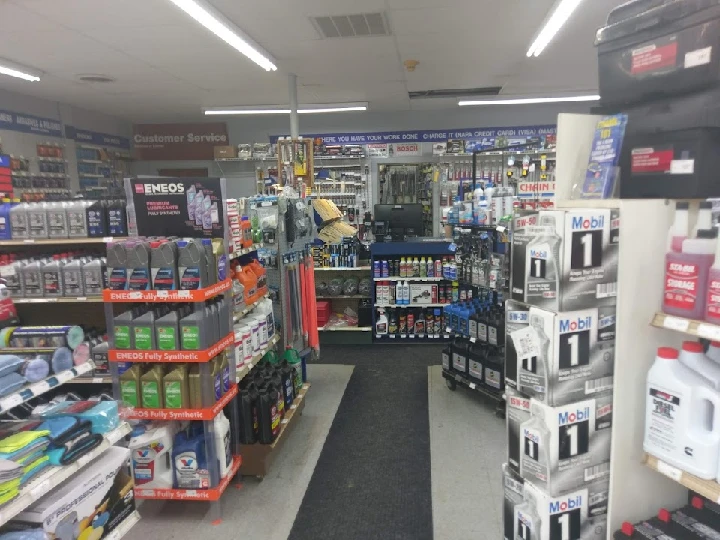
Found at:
<point>559,367</point>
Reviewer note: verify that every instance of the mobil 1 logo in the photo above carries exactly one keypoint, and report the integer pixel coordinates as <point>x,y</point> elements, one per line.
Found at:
<point>573,431</point>
<point>566,518</point>
<point>531,444</point>
<point>575,333</point>
<point>586,241</point>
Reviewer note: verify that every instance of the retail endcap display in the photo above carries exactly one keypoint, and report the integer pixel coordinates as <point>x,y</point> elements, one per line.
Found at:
<point>66,219</point>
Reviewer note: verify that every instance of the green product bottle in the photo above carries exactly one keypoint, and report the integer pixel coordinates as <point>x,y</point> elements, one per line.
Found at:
<point>195,388</point>
<point>123,336</point>
<point>151,384</point>
<point>292,357</point>
<point>271,357</point>
<point>130,385</point>
<point>144,331</point>
<point>177,388</point>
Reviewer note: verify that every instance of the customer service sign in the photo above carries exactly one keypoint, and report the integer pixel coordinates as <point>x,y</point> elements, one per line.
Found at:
<point>178,141</point>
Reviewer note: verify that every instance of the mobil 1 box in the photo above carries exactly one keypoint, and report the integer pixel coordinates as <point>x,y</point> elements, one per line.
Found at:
<point>559,448</point>
<point>559,358</point>
<point>566,259</point>
<point>580,514</point>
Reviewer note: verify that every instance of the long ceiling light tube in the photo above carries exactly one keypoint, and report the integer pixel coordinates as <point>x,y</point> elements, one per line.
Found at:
<point>529,101</point>
<point>279,109</point>
<point>226,30</point>
<point>19,72</point>
<point>562,12</point>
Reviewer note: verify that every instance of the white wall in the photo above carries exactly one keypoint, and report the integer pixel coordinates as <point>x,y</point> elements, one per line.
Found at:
<point>24,144</point>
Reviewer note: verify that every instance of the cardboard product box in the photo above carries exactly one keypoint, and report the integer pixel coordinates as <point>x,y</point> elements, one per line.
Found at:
<point>423,293</point>
<point>224,152</point>
<point>513,495</point>
<point>579,514</point>
<point>564,357</point>
<point>517,317</point>
<point>99,498</point>
<point>563,448</point>
<point>517,412</point>
<point>566,260</point>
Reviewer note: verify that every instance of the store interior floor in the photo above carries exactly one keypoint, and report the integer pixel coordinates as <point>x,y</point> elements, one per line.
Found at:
<point>383,450</point>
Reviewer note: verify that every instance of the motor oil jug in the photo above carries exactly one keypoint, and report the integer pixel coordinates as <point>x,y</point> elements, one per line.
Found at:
<point>5,224</point>
<point>117,218</point>
<point>167,333</point>
<point>195,388</point>
<point>38,220</point>
<point>693,356</point>
<point>117,265</point>
<point>163,265</point>
<point>494,373</point>
<point>57,220</point>
<point>122,325</point>
<point>210,262</point>
<point>193,332</point>
<point>151,448</point>
<point>52,278</point>
<point>268,415</point>
<point>176,388</point>
<point>138,266</point>
<point>72,278</point>
<point>221,428</point>
<point>682,420</point>
<point>32,279</point>
<point>686,276</point>
<point>713,352</point>
<point>712,304</point>
<point>287,385</point>
<point>542,265</point>
<point>144,331</point>
<point>446,356</point>
<point>476,362</point>
<point>217,378</point>
<point>130,386</point>
<point>190,462</point>
<point>247,404</point>
<point>460,355</point>
<point>19,226</point>
<point>96,217</point>
<point>192,265</point>
<point>225,370</point>
<point>152,387</point>
<point>94,274</point>
<point>292,357</point>
<point>77,219</point>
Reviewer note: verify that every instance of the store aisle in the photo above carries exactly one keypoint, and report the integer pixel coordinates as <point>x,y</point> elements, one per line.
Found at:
<point>468,447</point>
<point>259,509</point>
<point>372,480</point>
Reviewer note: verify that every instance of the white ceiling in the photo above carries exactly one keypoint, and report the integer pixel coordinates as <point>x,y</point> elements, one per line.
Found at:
<point>168,67</point>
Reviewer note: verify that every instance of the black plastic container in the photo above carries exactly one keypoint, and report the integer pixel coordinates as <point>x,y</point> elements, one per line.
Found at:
<point>247,407</point>
<point>286,373</point>
<point>459,358</point>
<point>658,48</point>
<point>268,414</point>
<point>670,149</point>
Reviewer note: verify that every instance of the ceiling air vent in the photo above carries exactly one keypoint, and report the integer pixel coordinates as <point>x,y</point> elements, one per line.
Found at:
<point>95,78</point>
<point>346,26</point>
<point>455,92</point>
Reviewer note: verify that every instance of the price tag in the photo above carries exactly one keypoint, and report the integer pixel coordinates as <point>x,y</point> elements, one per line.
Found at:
<point>448,330</point>
<point>11,401</point>
<point>412,336</point>
<point>472,386</point>
<point>40,388</point>
<point>184,294</point>
<point>392,336</point>
<point>675,323</point>
<point>682,166</point>
<point>402,336</point>
<point>29,241</point>
<point>161,294</point>
<point>7,270</point>
<point>284,421</point>
<point>97,380</point>
<point>709,331</point>
<point>266,203</point>
<point>107,239</point>
<point>65,376</point>
<point>81,298</point>
<point>500,229</point>
<point>293,407</point>
<point>135,295</point>
<point>669,470</point>
<point>447,336</point>
<point>40,489</point>
<point>473,340</point>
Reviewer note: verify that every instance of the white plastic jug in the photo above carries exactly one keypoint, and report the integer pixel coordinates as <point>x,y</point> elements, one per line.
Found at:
<point>713,352</point>
<point>222,443</point>
<point>682,416</point>
<point>151,456</point>
<point>693,356</point>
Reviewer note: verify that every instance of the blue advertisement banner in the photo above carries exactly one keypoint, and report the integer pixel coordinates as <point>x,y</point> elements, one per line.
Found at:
<point>604,157</point>
<point>27,123</point>
<point>97,138</point>
<point>484,137</point>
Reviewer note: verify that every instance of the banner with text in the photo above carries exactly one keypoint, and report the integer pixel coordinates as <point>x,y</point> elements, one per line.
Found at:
<point>178,141</point>
<point>485,135</point>
<point>26,123</point>
<point>96,138</point>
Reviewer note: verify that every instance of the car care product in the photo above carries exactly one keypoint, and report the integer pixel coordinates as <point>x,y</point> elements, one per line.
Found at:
<point>138,266</point>
<point>122,333</point>
<point>220,264</point>
<point>513,491</point>
<point>265,308</point>
<point>57,220</point>
<point>97,220</point>
<point>18,221</point>
<point>117,217</point>
<point>95,275</point>
<point>176,388</point>
<point>151,447</point>
<point>381,324</point>
<point>117,266</point>
<point>76,219</point>
<point>144,331</point>
<point>693,356</point>
<point>38,220</point>
<point>221,427</point>
<point>192,265</point>
<point>216,378</point>
<point>712,308</point>
<point>151,384</point>
<point>288,384</point>
<point>167,331</point>
<point>686,275</point>
<point>193,332</point>
<point>72,278</point>
<point>268,414</point>
<point>195,387</point>
<point>189,460</point>
<point>163,265</point>
<point>704,218</point>
<point>527,519</point>
<point>247,404</point>
<point>460,355</point>
<point>517,412</point>
<point>210,262</point>
<point>563,448</point>
<point>225,371</point>
<point>543,263</point>
<point>682,424</point>
<point>52,278</point>
<point>411,322</point>
<point>494,370</point>
<point>476,353</point>
<point>32,279</point>
<point>130,386</point>
<point>713,352</point>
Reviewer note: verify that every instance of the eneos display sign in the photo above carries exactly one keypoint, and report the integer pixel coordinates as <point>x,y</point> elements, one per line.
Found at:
<point>178,141</point>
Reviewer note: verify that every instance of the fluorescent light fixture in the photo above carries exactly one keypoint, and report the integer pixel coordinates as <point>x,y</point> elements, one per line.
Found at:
<point>553,24</point>
<point>279,109</point>
<point>20,72</point>
<point>529,101</point>
<point>226,30</point>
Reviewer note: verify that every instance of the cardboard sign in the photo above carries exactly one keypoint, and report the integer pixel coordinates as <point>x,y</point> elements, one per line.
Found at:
<point>185,207</point>
<point>406,149</point>
<point>178,141</point>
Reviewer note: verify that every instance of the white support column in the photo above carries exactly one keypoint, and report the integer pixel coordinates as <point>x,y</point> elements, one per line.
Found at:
<point>294,123</point>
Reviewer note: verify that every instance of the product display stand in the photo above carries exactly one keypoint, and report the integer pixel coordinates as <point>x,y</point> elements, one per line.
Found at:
<point>211,406</point>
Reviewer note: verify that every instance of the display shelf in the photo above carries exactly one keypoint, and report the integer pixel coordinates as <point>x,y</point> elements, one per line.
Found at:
<point>209,413</point>
<point>691,327</point>
<point>36,389</point>
<point>231,159</point>
<point>466,382</point>
<point>211,494</point>
<point>202,356</point>
<point>124,527</point>
<point>321,158</point>
<point>92,161</point>
<point>246,250</point>
<point>257,458</point>
<point>73,300</point>
<point>60,241</point>
<point>411,337</point>
<point>707,488</point>
<point>54,476</point>
<point>107,379</point>
<point>411,305</point>
<point>247,368</point>
<point>344,269</point>
<point>247,309</point>
<point>410,279</point>
<point>342,297</point>
<point>345,328</point>
<point>51,159</point>
<point>199,295</point>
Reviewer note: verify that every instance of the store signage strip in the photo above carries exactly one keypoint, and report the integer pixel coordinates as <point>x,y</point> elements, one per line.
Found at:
<point>27,123</point>
<point>96,138</point>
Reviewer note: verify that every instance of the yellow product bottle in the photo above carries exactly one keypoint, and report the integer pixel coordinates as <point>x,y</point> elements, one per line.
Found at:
<point>224,371</point>
<point>130,385</point>
<point>176,388</point>
<point>216,375</point>
<point>152,387</point>
<point>195,389</point>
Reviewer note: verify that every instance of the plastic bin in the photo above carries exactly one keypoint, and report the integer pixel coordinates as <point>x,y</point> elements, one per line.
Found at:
<point>671,148</point>
<point>651,49</point>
